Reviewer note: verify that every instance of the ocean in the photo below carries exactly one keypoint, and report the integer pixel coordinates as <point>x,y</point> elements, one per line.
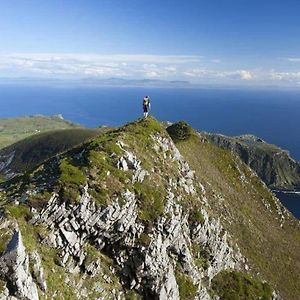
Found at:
<point>291,200</point>
<point>273,115</point>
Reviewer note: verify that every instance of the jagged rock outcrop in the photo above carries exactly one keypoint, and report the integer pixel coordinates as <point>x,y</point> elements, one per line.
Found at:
<point>14,268</point>
<point>38,270</point>
<point>149,270</point>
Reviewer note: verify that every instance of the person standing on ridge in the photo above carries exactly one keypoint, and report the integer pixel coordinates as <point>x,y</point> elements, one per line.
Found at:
<point>146,106</point>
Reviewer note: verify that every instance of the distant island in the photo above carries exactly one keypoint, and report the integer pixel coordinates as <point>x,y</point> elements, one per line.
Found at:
<point>100,82</point>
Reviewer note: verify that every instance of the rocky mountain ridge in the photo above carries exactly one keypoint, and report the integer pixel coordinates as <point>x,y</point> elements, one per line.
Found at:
<point>124,216</point>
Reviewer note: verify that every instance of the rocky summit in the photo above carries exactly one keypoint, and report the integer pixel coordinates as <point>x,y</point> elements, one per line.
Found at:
<point>141,212</point>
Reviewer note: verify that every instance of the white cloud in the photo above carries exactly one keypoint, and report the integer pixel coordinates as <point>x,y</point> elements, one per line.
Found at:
<point>293,59</point>
<point>201,73</point>
<point>138,58</point>
<point>81,65</point>
<point>170,69</point>
<point>152,74</point>
<point>104,66</point>
<point>167,67</point>
<point>245,75</point>
<point>149,66</point>
<point>284,76</point>
<point>204,73</point>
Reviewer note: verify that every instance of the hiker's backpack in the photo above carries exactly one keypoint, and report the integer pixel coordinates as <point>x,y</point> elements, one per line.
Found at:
<point>146,101</point>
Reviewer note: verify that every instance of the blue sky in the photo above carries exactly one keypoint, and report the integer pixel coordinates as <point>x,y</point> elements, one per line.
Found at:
<point>232,42</point>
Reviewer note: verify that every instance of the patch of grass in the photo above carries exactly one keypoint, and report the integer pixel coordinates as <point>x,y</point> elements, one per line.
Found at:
<point>200,257</point>
<point>232,285</point>
<point>2,178</point>
<point>71,174</point>
<point>98,159</point>
<point>105,268</point>
<point>39,200</point>
<point>144,126</point>
<point>180,131</point>
<point>100,196</point>
<point>30,234</point>
<point>5,237</point>
<point>55,276</point>
<point>2,285</point>
<point>18,211</point>
<point>71,178</point>
<point>70,194</point>
<point>187,289</point>
<point>132,295</point>
<point>108,144</point>
<point>91,254</point>
<point>195,216</point>
<point>107,179</point>
<point>139,133</point>
<point>144,239</point>
<point>64,285</point>
<point>151,202</point>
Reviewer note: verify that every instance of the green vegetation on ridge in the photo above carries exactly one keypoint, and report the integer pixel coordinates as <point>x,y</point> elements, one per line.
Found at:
<point>187,289</point>
<point>231,285</point>
<point>235,194</point>
<point>248,211</point>
<point>33,150</point>
<point>180,131</point>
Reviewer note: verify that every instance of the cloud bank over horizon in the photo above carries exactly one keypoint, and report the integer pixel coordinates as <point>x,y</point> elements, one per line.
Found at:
<point>195,69</point>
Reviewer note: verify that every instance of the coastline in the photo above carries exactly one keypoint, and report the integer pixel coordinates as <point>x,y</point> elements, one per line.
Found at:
<point>295,191</point>
<point>290,199</point>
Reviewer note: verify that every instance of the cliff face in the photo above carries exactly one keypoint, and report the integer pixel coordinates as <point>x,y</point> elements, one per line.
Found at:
<point>272,164</point>
<point>125,216</point>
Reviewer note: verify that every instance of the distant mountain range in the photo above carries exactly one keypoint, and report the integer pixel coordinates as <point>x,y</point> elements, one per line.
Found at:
<point>91,81</point>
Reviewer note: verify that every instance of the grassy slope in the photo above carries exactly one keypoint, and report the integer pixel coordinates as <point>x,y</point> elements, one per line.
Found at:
<point>15,129</point>
<point>35,149</point>
<point>272,250</point>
